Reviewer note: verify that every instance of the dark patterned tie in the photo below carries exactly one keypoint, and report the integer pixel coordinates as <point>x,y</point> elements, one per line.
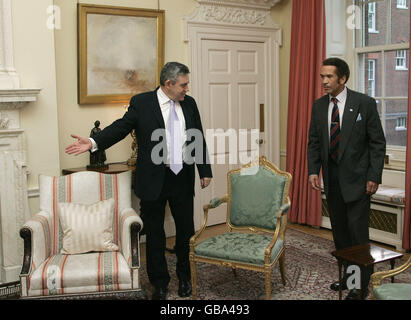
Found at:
<point>335,132</point>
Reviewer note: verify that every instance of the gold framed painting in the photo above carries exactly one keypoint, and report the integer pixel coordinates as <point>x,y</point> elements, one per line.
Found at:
<point>120,52</point>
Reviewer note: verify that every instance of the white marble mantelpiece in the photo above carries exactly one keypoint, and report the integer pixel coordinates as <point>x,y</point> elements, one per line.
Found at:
<point>14,210</point>
<point>11,101</point>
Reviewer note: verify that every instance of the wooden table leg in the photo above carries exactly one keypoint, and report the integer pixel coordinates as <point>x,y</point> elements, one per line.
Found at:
<point>339,279</point>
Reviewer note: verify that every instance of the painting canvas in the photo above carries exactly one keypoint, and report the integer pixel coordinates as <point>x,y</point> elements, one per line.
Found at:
<point>120,52</point>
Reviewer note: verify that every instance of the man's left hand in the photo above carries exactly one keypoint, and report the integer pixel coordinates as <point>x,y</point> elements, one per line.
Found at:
<point>372,187</point>
<point>205,182</point>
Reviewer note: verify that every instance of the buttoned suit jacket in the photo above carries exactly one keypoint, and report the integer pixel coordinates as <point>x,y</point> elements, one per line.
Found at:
<point>145,117</point>
<point>362,144</point>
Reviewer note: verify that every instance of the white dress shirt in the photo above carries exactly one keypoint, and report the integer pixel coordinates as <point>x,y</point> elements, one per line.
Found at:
<point>164,102</point>
<point>165,105</point>
<point>342,97</point>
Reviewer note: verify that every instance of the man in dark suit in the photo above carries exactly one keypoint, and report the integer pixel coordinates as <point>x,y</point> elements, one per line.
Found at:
<point>167,125</point>
<point>347,141</point>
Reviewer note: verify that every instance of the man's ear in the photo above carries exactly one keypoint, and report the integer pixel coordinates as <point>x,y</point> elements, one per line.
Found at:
<point>342,80</point>
<point>168,83</point>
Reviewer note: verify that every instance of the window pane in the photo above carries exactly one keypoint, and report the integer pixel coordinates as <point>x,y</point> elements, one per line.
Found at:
<point>400,23</point>
<point>374,24</point>
<point>369,74</point>
<point>379,107</point>
<point>396,77</point>
<point>383,22</point>
<point>395,127</point>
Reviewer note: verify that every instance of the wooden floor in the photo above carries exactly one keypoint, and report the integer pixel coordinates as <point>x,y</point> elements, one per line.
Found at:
<point>217,229</point>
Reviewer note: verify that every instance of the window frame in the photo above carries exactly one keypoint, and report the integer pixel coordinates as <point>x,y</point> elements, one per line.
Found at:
<point>373,28</point>
<point>403,65</point>
<point>401,124</point>
<point>372,61</point>
<point>402,5</point>
<point>396,154</point>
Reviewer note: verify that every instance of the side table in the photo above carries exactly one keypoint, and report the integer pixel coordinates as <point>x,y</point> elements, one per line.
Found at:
<point>112,168</point>
<point>364,255</point>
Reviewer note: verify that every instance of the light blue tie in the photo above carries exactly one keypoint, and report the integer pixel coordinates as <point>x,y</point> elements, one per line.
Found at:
<point>176,148</point>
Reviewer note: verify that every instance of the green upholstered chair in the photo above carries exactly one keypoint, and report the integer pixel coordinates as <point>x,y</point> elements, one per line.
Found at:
<point>257,205</point>
<point>390,291</point>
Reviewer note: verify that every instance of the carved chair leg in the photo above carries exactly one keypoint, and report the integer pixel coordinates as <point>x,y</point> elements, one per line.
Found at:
<point>282,267</point>
<point>193,279</point>
<point>268,284</point>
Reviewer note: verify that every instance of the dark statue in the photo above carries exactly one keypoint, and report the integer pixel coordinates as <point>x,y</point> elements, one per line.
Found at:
<point>98,157</point>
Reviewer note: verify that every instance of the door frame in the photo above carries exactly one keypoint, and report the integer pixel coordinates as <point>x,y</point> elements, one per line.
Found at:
<point>271,36</point>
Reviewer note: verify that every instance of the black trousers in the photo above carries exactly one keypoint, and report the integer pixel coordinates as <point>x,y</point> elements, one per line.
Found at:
<point>349,220</point>
<point>177,192</point>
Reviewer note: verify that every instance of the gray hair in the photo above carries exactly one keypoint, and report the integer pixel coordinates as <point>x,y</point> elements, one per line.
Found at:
<point>171,71</point>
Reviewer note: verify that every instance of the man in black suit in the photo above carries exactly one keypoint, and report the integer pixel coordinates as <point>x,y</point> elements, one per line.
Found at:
<point>347,141</point>
<point>170,140</point>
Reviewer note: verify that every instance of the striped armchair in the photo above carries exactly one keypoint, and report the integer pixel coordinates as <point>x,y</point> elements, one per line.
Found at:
<point>46,272</point>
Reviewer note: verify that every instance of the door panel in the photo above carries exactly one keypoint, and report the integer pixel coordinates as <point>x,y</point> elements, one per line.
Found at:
<point>232,90</point>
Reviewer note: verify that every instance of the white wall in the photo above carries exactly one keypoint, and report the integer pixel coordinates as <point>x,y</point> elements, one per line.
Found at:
<point>47,59</point>
<point>34,60</point>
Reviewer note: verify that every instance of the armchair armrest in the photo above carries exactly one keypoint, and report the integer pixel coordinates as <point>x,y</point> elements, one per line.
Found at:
<point>279,229</point>
<point>214,203</point>
<point>284,209</point>
<point>377,277</point>
<point>37,243</point>
<point>130,226</point>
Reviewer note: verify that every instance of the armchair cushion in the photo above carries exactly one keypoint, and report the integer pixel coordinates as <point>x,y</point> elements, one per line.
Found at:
<point>87,227</point>
<point>239,247</point>
<point>80,273</point>
<point>393,291</point>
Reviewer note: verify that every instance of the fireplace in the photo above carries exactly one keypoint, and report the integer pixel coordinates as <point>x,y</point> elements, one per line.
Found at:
<point>14,210</point>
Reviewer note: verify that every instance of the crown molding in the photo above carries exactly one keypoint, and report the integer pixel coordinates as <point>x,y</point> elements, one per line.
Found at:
<point>251,4</point>
<point>248,13</point>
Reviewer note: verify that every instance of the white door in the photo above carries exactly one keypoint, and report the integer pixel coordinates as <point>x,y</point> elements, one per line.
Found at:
<point>233,100</point>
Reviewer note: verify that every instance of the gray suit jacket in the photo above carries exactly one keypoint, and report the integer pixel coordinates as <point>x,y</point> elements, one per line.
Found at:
<point>361,146</point>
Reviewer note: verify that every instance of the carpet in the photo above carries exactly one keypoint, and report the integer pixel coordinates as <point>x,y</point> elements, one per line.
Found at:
<point>310,269</point>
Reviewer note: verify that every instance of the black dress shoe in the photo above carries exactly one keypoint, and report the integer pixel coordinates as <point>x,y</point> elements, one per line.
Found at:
<point>160,293</point>
<point>336,285</point>
<point>184,288</point>
<point>354,294</point>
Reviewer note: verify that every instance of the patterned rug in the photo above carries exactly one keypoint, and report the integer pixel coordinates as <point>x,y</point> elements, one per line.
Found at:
<point>310,269</point>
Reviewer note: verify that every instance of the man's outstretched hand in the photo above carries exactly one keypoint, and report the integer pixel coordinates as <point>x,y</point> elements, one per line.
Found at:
<point>80,146</point>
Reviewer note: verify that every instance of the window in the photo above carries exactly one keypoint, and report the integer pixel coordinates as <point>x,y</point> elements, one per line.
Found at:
<point>381,68</point>
<point>401,60</point>
<point>402,4</point>
<point>371,78</point>
<point>401,124</point>
<point>371,17</point>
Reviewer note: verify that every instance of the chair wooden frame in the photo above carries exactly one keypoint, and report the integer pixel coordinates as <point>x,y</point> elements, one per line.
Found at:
<point>278,233</point>
<point>378,277</point>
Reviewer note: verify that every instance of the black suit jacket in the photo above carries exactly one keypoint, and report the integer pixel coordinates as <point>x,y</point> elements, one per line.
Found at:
<point>144,115</point>
<point>361,147</point>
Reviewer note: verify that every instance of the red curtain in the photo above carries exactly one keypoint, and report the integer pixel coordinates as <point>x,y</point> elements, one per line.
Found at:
<point>307,53</point>
<point>406,238</point>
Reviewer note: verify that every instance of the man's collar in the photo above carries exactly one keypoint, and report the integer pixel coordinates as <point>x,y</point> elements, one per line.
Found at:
<point>162,97</point>
<point>342,96</point>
